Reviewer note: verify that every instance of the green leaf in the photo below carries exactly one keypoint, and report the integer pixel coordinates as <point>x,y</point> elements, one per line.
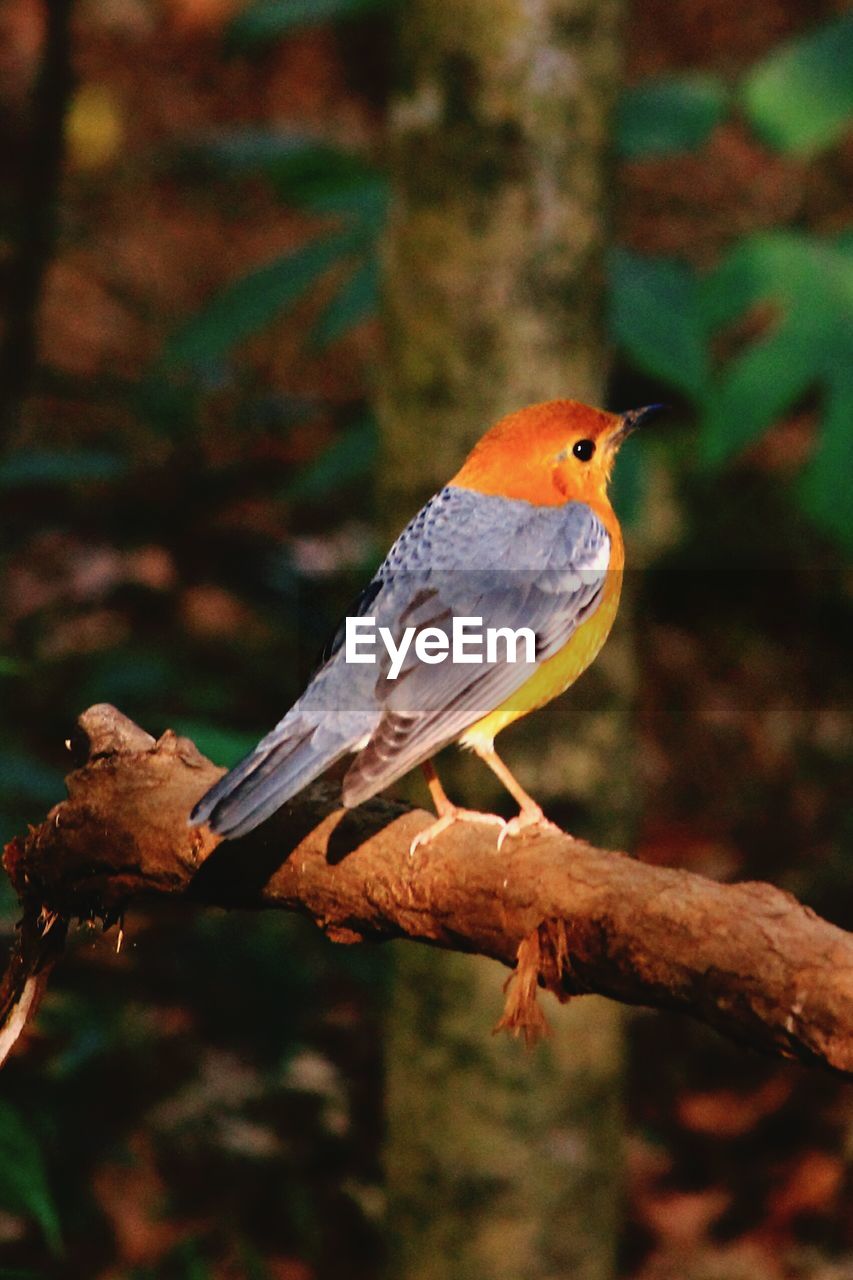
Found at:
<point>257,150</point>
<point>663,116</point>
<point>253,302</point>
<point>655,316</point>
<point>365,199</point>
<point>304,170</point>
<point>754,390</point>
<point>355,300</point>
<point>168,406</point>
<point>740,281</point>
<point>800,98</point>
<point>778,266</point>
<point>10,666</point>
<point>666,320</point>
<point>351,457</point>
<point>809,283</point>
<point>28,468</point>
<point>23,1180</point>
<point>825,483</point>
<point>269,19</point>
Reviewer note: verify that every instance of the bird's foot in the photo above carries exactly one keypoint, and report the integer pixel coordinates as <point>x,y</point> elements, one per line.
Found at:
<point>448,819</point>
<point>532,818</point>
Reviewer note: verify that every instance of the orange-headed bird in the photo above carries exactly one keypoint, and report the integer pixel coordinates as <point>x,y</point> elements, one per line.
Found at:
<point>523,536</point>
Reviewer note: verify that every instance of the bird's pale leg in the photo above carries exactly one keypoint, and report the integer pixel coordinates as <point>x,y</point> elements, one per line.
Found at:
<point>531,815</point>
<point>448,813</point>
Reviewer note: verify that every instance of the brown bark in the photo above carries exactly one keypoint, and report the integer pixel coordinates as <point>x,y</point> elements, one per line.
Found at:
<point>746,958</point>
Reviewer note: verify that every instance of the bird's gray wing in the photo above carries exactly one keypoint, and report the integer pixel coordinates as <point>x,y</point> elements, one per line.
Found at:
<point>464,554</point>
<point>509,562</point>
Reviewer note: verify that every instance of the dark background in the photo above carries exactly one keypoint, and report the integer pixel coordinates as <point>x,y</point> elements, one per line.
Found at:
<point>187,466</point>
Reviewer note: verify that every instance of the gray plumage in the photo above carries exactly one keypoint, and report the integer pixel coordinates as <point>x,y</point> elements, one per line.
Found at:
<point>464,554</point>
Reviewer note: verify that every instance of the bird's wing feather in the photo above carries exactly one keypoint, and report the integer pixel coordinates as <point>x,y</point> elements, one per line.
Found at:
<point>509,562</point>
<point>464,554</point>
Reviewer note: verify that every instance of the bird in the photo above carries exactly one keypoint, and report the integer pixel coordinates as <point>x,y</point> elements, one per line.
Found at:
<point>522,537</point>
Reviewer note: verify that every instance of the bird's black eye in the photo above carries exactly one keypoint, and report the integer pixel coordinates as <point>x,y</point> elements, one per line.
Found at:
<point>584,449</point>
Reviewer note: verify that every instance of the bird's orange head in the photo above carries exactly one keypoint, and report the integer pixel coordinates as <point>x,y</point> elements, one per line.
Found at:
<point>551,453</point>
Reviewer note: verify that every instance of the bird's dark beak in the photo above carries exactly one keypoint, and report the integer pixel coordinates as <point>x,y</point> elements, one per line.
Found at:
<point>631,420</point>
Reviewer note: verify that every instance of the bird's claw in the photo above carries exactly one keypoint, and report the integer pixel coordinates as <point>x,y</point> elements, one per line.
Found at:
<point>448,820</point>
<point>528,819</point>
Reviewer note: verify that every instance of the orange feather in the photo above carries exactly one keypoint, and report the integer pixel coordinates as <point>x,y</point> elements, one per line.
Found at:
<point>528,455</point>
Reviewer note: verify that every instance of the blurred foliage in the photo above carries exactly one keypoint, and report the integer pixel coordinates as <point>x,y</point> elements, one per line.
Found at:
<point>810,286</point>
<point>34,467</point>
<point>314,176</point>
<point>252,302</point>
<point>352,457</point>
<point>183,547</point>
<point>800,98</point>
<point>666,320</point>
<point>23,1180</point>
<point>655,316</point>
<point>302,170</point>
<point>666,115</point>
<point>200,1089</point>
<point>669,320</point>
<point>263,20</point>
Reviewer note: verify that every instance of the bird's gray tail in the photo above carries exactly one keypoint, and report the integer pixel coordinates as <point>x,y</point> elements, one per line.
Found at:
<point>296,752</point>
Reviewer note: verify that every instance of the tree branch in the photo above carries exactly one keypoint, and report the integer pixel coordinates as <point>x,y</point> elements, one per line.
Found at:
<point>746,958</point>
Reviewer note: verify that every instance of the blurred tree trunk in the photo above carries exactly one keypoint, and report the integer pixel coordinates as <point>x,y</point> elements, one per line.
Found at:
<point>494,272</point>
<point>501,1163</point>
